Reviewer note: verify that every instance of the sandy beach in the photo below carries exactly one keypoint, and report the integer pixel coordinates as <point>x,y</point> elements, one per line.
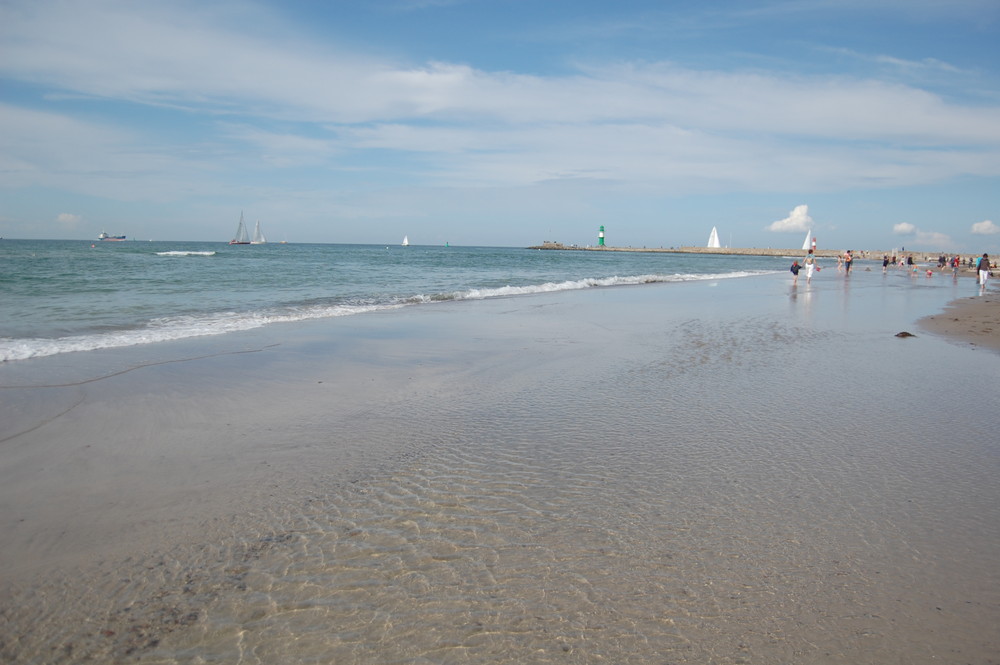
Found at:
<point>738,471</point>
<point>974,320</point>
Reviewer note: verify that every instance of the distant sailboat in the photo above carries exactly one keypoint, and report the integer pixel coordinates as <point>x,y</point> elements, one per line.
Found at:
<point>406,241</point>
<point>258,235</point>
<point>241,238</point>
<point>807,245</point>
<point>713,240</point>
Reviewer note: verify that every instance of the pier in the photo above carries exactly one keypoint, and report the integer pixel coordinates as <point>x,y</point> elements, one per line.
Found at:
<point>871,254</point>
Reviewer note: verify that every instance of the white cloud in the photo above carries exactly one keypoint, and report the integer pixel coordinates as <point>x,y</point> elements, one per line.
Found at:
<point>797,220</point>
<point>985,227</point>
<point>933,240</point>
<point>929,239</point>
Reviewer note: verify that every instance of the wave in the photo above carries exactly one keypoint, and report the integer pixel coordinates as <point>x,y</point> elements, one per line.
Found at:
<point>177,253</point>
<point>172,329</point>
<point>168,329</point>
<point>586,283</point>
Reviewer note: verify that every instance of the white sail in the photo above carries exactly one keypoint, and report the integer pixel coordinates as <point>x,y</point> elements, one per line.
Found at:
<point>258,235</point>
<point>713,240</point>
<point>807,245</point>
<point>241,237</point>
<point>406,241</point>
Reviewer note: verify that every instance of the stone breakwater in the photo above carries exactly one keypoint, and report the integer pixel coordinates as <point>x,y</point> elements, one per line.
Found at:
<point>920,257</point>
<point>745,251</point>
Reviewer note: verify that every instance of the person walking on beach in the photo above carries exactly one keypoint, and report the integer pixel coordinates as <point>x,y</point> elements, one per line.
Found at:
<point>795,271</point>
<point>984,270</point>
<point>810,263</point>
<point>848,260</point>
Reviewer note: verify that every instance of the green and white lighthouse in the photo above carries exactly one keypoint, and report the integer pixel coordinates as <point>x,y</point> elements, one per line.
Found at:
<point>600,237</point>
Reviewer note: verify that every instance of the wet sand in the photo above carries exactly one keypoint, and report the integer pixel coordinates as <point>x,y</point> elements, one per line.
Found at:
<point>973,320</point>
<point>733,472</point>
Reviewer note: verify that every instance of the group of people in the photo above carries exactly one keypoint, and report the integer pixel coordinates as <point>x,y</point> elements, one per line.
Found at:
<point>845,262</point>
<point>900,262</point>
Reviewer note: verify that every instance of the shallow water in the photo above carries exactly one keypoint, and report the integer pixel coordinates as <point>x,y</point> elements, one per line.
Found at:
<point>712,473</point>
<point>72,296</point>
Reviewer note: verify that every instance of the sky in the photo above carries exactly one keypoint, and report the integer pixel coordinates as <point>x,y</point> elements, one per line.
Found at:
<point>872,125</point>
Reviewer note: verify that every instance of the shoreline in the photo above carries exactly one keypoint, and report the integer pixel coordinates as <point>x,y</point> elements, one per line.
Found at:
<point>974,320</point>
<point>54,392</point>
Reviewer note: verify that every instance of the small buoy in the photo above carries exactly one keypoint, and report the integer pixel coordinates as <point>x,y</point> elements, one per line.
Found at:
<point>905,334</point>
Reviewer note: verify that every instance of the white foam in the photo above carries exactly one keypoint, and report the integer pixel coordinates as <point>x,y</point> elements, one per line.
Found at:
<point>185,253</point>
<point>166,330</point>
<point>590,282</point>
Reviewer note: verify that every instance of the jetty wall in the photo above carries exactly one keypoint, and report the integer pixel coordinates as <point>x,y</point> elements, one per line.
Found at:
<point>922,257</point>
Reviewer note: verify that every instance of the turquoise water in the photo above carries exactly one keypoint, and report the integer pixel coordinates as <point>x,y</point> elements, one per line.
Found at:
<point>66,296</point>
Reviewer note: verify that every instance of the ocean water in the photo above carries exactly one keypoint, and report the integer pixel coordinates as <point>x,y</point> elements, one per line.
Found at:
<point>63,296</point>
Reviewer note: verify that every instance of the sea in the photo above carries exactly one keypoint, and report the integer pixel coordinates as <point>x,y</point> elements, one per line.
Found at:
<point>62,296</point>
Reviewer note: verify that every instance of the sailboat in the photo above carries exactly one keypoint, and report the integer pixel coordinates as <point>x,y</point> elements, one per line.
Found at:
<point>241,237</point>
<point>713,240</point>
<point>258,235</point>
<point>406,241</point>
<point>806,245</point>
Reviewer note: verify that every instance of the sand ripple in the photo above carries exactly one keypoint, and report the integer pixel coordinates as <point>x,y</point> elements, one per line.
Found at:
<point>586,517</point>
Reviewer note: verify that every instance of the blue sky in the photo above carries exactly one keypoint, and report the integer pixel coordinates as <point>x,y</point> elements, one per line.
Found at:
<point>478,122</point>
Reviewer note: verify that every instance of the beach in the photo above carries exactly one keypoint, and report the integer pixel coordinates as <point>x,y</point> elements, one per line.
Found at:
<point>725,471</point>
<point>974,320</point>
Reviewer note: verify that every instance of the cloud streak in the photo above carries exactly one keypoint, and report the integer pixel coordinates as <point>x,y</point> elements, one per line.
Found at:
<point>219,70</point>
<point>932,239</point>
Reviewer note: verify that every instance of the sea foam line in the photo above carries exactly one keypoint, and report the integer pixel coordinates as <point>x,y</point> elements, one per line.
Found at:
<point>574,285</point>
<point>168,329</point>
